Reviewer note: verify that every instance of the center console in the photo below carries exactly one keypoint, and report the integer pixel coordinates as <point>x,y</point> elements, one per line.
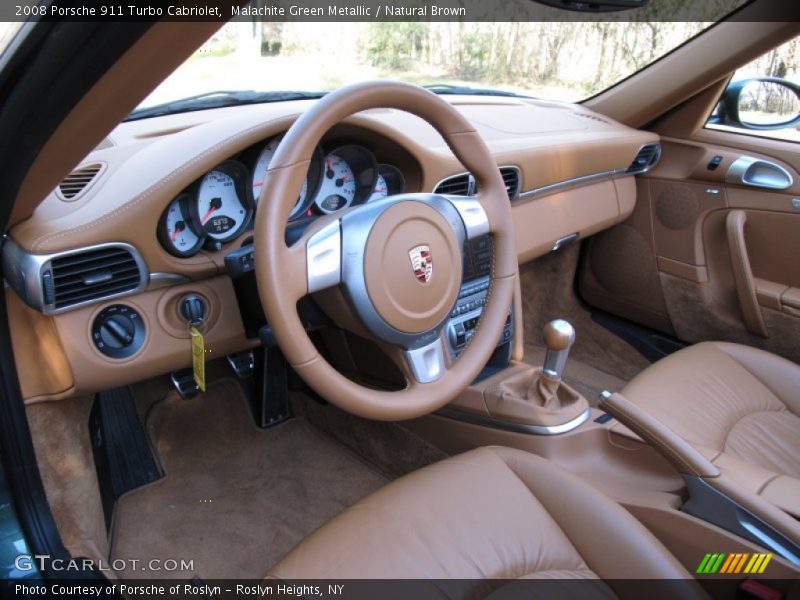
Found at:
<point>467,311</point>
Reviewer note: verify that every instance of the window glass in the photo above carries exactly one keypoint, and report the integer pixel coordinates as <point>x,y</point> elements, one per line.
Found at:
<point>551,60</point>
<point>763,97</point>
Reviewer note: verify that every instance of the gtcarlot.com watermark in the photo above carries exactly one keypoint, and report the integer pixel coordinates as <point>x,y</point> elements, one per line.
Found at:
<point>44,562</point>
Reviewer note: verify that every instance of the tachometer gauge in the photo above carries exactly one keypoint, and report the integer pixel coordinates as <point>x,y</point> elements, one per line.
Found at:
<point>176,230</point>
<point>223,203</point>
<point>390,181</point>
<point>309,186</point>
<point>348,177</point>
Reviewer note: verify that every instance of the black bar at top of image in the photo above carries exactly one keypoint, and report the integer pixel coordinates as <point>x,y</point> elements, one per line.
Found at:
<point>388,10</point>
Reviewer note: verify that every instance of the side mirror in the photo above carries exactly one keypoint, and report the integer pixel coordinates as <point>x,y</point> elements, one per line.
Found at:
<point>760,103</point>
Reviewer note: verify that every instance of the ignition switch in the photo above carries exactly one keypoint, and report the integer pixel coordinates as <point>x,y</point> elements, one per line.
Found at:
<point>193,309</point>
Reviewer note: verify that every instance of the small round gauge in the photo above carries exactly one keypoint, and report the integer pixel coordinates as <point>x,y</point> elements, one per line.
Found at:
<point>390,181</point>
<point>348,177</point>
<point>176,230</point>
<point>309,186</point>
<point>222,206</point>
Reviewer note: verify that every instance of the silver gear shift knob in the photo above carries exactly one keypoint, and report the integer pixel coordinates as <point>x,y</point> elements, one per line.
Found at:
<point>559,336</point>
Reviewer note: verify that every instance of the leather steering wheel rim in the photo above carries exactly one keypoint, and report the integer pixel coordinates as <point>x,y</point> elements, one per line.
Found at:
<point>286,274</point>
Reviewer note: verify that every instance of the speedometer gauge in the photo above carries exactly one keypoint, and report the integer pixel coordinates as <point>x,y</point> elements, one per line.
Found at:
<point>309,185</point>
<point>222,206</point>
<point>176,230</point>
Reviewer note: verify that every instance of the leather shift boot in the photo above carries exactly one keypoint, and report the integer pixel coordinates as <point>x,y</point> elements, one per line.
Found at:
<point>529,397</point>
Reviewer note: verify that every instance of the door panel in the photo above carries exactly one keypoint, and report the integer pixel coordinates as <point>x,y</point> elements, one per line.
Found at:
<point>688,217</point>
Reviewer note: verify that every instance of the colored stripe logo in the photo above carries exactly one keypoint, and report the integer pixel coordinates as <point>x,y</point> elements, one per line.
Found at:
<point>734,563</point>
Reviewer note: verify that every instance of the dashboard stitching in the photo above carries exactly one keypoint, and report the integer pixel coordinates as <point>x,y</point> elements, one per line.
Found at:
<point>41,241</point>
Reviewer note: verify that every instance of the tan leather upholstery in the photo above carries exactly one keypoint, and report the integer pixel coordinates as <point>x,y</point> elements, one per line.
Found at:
<point>492,513</point>
<point>527,396</point>
<point>738,406</point>
<point>683,456</point>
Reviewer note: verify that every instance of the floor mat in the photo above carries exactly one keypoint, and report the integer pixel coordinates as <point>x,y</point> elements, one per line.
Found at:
<point>235,498</point>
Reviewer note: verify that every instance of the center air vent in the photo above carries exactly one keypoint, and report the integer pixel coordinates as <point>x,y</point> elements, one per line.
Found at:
<point>91,275</point>
<point>457,185</point>
<point>464,184</point>
<point>511,179</point>
<point>77,182</point>
<point>647,156</point>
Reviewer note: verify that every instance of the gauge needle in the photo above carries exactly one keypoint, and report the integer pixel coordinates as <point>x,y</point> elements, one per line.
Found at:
<point>215,204</point>
<point>179,227</point>
<point>329,172</point>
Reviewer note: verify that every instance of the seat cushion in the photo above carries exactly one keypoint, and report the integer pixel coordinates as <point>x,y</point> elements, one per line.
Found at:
<point>492,513</point>
<point>727,398</point>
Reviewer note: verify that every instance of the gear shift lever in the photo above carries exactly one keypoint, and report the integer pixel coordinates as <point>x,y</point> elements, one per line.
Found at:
<point>538,396</point>
<point>559,336</point>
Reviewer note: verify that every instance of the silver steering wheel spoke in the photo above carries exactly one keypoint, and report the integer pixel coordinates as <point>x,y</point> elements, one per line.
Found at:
<point>473,215</point>
<point>426,363</point>
<point>324,257</point>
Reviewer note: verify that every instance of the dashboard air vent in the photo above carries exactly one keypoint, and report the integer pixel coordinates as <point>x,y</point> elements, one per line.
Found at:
<point>647,156</point>
<point>76,182</point>
<point>89,276</point>
<point>511,179</point>
<point>464,184</point>
<point>458,185</point>
<point>592,117</point>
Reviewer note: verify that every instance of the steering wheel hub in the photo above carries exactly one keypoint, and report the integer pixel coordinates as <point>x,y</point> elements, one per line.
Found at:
<point>412,267</point>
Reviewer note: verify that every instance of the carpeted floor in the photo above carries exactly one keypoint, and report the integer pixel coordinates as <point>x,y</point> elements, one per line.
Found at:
<point>235,498</point>
<point>548,293</point>
<point>60,432</point>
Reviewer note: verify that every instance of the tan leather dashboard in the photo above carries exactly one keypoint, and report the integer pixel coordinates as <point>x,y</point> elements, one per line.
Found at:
<point>147,163</point>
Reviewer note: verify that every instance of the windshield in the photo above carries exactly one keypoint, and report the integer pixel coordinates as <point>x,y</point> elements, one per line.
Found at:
<point>557,60</point>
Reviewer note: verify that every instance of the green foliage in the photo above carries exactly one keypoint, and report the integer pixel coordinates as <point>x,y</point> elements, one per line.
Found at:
<point>395,45</point>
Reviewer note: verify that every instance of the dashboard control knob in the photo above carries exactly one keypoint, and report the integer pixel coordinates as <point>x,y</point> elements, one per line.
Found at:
<point>118,331</point>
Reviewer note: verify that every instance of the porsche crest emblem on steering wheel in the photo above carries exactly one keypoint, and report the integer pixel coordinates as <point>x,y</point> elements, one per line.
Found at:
<point>421,262</point>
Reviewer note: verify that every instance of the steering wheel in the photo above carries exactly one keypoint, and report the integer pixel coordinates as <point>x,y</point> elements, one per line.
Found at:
<point>397,262</point>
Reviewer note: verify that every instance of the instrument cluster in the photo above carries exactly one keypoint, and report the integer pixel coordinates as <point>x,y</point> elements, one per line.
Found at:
<point>219,207</point>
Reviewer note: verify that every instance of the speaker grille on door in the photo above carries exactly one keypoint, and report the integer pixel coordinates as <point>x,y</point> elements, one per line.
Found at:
<point>677,207</point>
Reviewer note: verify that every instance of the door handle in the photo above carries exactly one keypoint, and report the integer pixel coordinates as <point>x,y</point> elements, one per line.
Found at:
<point>756,172</point>
<point>743,274</point>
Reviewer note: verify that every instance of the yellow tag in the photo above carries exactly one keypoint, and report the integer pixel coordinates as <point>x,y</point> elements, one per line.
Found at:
<point>199,358</point>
